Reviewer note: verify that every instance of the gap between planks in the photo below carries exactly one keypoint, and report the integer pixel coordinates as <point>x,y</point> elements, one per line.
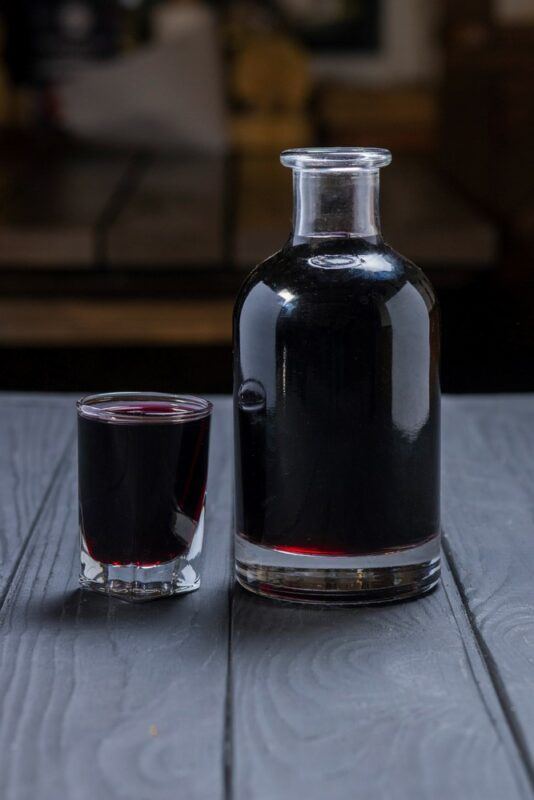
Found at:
<point>19,566</point>
<point>19,561</point>
<point>510,734</point>
<point>480,662</point>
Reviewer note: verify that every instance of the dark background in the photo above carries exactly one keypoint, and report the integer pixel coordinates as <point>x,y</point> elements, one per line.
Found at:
<point>139,174</point>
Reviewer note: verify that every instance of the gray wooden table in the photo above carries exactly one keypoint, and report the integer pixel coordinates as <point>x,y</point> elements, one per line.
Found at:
<point>220,694</point>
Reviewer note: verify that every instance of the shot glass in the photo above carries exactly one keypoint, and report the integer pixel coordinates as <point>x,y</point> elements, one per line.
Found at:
<point>142,471</point>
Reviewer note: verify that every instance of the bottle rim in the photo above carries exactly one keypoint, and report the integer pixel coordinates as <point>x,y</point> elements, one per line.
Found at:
<point>336,158</point>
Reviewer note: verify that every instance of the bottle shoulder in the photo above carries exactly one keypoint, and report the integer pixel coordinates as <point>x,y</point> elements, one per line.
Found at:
<point>340,273</point>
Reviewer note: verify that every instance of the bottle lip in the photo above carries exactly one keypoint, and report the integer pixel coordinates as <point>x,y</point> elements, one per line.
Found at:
<point>336,158</point>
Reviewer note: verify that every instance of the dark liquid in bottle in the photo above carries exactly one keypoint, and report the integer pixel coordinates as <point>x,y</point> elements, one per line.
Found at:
<point>337,401</point>
<point>142,484</point>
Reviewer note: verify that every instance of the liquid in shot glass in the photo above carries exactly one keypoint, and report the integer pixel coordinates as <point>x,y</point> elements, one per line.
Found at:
<point>143,464</point>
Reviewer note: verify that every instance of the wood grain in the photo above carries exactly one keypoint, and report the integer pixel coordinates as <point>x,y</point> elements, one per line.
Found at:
<point>372,702</point>
<point>34,432</point>
<point>428,699</point>
<point>400,696</point>
<point>488,484</point>
<point>106,699</point>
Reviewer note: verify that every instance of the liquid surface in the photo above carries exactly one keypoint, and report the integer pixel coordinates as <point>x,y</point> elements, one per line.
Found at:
<point>337,401</point>
<point>150,409</point>
<point>142,485</point>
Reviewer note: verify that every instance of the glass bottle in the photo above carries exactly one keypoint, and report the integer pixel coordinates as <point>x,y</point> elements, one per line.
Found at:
<point>337,401</point>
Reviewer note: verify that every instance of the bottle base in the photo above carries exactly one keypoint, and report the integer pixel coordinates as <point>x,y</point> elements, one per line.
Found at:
<point>338,580</point>
<point>138,584</point>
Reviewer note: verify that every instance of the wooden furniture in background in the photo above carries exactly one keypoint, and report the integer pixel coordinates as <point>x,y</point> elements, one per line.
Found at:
<point>488,108</point>
<point>270,84</point>
<point>209,218</point>
<point>146,297</point>
<point>402,119</point>
<point>71,322</point>
<point>132,251</point>
<point>174,216</point>
<point>423,217</point>
<point>54,203</point>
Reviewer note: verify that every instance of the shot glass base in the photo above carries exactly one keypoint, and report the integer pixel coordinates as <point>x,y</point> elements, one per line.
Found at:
<point>138,584</point>
<point>346,580</point>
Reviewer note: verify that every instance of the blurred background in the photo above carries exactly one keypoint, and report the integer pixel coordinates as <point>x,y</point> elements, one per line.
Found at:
<point>140,181</point>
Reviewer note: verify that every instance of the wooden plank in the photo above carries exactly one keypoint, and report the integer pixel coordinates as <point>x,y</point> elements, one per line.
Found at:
<point>106,699</point>
<point>109,322</point>
<point>488,483</point>
<point>382,702</point>
<point>34,433</point>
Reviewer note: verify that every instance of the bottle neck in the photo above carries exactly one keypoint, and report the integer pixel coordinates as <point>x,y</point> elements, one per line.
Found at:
<point>335,204</point>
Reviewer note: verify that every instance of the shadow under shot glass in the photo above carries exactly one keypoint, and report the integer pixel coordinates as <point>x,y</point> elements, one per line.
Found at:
<point>142,471</point>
